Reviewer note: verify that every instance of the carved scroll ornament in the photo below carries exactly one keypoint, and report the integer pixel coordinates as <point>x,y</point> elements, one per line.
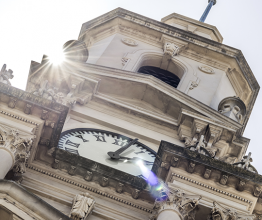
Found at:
<point>83,204</point>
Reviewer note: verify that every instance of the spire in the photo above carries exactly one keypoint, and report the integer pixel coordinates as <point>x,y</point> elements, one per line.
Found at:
<point>205,14</point>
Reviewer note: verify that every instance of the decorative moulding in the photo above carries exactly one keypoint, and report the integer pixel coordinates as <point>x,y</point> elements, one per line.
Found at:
<point>97,191</point>
<point>129,42</point>
<point>206,69</point>
<point>250,203</point>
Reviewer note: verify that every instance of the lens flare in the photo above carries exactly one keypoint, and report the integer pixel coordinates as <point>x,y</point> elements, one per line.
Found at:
<point>57,57</point>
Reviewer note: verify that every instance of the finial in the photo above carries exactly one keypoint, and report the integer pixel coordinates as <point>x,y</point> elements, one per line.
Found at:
<point>206,12</point>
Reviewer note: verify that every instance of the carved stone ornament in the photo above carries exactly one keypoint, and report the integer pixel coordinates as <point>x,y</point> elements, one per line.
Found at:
<point>44,114</point>
<point>124,61</point>
<point>206,69</point>
<point>18,145</point>
<point>119,187</point>
<point>55,165</point>
<point>104,181</point>
<point>241,185</point>
<point>233,108</point>
<point>165,165</point>
<point>6,75</point>
<point>89,176</point>
<point>177,201</point>
<point>191,167</point>
<point>27,109</point>
<point>83,204</point>
<point>174,161</point>
<point>72,170</point>
<point>221,213</point>
<point>50,124</point>
<point>129,42</point>
<point>12,102</point>
<point>171,49</point>
<point>51,151</point>
<point>257,191</point>
<point>224,179</point>
<point>245,163</point>
<point>207,173</point>
<point>135,193</point>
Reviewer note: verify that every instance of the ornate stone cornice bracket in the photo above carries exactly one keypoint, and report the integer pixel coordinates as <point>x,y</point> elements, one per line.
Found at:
<point>83,205</point>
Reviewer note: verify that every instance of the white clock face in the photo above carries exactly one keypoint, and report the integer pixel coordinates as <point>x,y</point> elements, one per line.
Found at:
<point>95,145</point>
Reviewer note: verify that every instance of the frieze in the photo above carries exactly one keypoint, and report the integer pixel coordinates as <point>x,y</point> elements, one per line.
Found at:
<point>212,188</point>
<point>99,192</point>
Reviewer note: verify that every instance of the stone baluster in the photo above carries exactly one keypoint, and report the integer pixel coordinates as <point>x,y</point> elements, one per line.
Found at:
<point>175,205</point>
<point>14,151</point>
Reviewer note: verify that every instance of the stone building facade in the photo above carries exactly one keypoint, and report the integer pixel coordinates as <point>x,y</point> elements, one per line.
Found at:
<point>142,120</point>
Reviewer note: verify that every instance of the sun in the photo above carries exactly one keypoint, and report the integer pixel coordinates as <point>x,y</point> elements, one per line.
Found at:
<point>57,57</point>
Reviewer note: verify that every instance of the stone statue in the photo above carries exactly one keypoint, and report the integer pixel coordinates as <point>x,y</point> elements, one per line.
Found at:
<point>200,146</point>
<point>245,163</point>
<point>5,75</point>
<point>83,204</point>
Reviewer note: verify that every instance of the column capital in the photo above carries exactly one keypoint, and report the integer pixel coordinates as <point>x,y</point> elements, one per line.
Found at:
<point>176,200</point>
<point>18,145</point>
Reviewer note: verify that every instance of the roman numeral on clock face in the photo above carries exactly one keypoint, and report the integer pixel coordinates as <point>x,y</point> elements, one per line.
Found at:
<point>73,151</point>
<point>100,138</point>
<point>81,137</point>
<point>72,144</point>
<point>117,142</point>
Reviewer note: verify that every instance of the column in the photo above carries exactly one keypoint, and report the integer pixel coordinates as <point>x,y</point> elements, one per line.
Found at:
<point>6,162</point>
<point>174,205</point>
<point>14,151</point>
<point>168,214</point>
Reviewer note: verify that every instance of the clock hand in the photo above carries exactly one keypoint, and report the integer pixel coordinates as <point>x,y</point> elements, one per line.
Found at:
<point>135,159</point>
<point>115,155</point>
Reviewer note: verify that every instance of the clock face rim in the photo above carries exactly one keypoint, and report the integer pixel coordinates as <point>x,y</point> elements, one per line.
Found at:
<point>106,132</point>
<point>97,167</point>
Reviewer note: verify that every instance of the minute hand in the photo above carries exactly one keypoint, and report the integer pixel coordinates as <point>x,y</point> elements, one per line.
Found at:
<point>115,155</point>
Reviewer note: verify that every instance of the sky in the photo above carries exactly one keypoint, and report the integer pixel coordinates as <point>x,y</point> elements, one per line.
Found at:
<point>31,28</point>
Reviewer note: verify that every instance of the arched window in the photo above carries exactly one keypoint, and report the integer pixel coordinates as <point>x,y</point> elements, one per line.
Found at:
<point>164,75</point>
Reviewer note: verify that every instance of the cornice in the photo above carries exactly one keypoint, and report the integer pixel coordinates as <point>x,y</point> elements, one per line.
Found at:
<point>159,85</point>
<point>211,188</point>
<point>91,189</point>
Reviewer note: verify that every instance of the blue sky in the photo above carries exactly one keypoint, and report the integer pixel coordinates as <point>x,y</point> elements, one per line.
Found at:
<point>31,28</point>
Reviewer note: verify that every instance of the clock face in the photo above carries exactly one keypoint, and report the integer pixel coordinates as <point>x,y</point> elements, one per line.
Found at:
<point>94,144</point>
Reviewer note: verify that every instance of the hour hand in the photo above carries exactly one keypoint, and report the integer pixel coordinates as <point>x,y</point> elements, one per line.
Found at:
<point>115,155</point>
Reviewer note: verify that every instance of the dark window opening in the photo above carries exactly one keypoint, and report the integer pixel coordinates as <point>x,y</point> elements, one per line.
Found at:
<point>164,75</point>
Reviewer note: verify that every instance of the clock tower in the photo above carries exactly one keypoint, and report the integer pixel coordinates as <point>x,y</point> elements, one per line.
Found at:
<point>142,119</point>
